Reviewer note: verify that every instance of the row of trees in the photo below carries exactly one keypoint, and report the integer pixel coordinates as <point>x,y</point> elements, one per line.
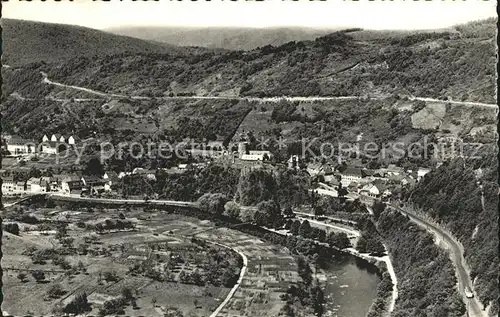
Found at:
<point>307,293</point>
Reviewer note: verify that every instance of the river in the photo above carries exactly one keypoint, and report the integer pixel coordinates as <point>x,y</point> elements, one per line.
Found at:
<point>351,287</point>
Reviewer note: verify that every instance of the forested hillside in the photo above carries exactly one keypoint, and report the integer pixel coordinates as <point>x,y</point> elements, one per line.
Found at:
<point>29,41</point>
<point>426,278</point>
<point>452,195</point>
<point>226,38</point>
<point>437,65</point>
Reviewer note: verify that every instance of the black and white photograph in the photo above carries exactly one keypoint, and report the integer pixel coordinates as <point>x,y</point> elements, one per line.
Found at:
<point>267,158</point>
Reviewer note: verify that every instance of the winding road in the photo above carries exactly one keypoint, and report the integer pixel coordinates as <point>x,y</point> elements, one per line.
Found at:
<point>238,283</point>
<point>474,307</point>
<point>256,99</point>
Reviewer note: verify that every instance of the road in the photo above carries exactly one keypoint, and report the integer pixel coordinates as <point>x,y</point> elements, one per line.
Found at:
<point>474,307</point>
<point>126,201</point>
<point>257,99</point>
<point>238,283</point>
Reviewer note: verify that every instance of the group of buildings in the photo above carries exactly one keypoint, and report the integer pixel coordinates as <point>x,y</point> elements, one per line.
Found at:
<point>57,143</point>
<point>63,184</point>
<point>358,181</point>
<point>216,150</point>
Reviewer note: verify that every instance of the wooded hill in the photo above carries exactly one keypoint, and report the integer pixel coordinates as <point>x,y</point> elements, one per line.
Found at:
<point>452,196</point>
<point>456,65</point>
<point>232,38</point>
<point>30,41</point>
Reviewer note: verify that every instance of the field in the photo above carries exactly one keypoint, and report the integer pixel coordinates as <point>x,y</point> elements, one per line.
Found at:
<point>113,257</point>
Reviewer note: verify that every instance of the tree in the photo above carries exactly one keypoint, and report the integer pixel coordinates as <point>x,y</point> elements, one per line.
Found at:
<point>339,240</point>
<point>271,212</point>
<point>375,247</point>
<point>294,229</point>
<point>304,270</point>
<point>127,293</point>
<point>361,246</point>
<point>110,276</point>
<point>232,210</point>
<point>21,276</point>
<point>319,210</point>
<point>229,278</point>
<point>212,203</point>
<point>38,276</point>
<point>94,167</point>
<point>317,298</point>
<point>305,229</point>
<point>321,235</point>
<point>61,231</point>
<point>288,212</point>
<point>196,278</point>
<point>342,240</point>
<point>287,311</point>
<point>67,242</point>
<point>55,291</point>
<point>78,305</point>
<point>378,207</point>
<point>12,228</point>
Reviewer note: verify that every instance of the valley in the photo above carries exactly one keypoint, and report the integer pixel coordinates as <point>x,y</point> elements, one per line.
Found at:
<point>316,175</point>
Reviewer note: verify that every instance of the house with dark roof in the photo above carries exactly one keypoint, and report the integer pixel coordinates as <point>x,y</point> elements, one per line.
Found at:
<point>384,188</point>
<point>8,185</point>
<point>92,180</point>
<point>149,174</point>
<point>20,186</point>
<point>72,185</point>
<point>93,184</point>
<point>351,175</point>
<point>49,147</point>
<point>38,185</point>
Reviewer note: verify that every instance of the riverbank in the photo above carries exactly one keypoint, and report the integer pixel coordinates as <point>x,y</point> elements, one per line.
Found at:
<point>190,209</point>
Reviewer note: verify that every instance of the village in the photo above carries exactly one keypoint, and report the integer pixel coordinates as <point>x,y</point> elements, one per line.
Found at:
<point>350,178</point>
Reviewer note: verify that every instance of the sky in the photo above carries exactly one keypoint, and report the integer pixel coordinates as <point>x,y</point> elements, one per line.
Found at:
<point>396,14</point>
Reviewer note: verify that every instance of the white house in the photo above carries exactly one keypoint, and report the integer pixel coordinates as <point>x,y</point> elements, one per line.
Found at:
<point>38,185</point>
<point>49,147</point>
<point>314,169</point>
<point>422,172</point>
<point>72,185</point>
<point>111,178</point>
<point>62,139</point>
<point>326,190</point>
<point>370,190</point>
<point>71,140</point>
<point>293,162</point>
<point>123,174</point>
<point>256,156</point>
<point>20,147</point>
<point>53,138</point>
<point>394,170</point>
<point>351,175</point>
<point>250,157</point>
<point>20,186</point>
<point>45,138</point>
<point>149,174</point>
<point>137,170</point>
<point>8,185</point>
